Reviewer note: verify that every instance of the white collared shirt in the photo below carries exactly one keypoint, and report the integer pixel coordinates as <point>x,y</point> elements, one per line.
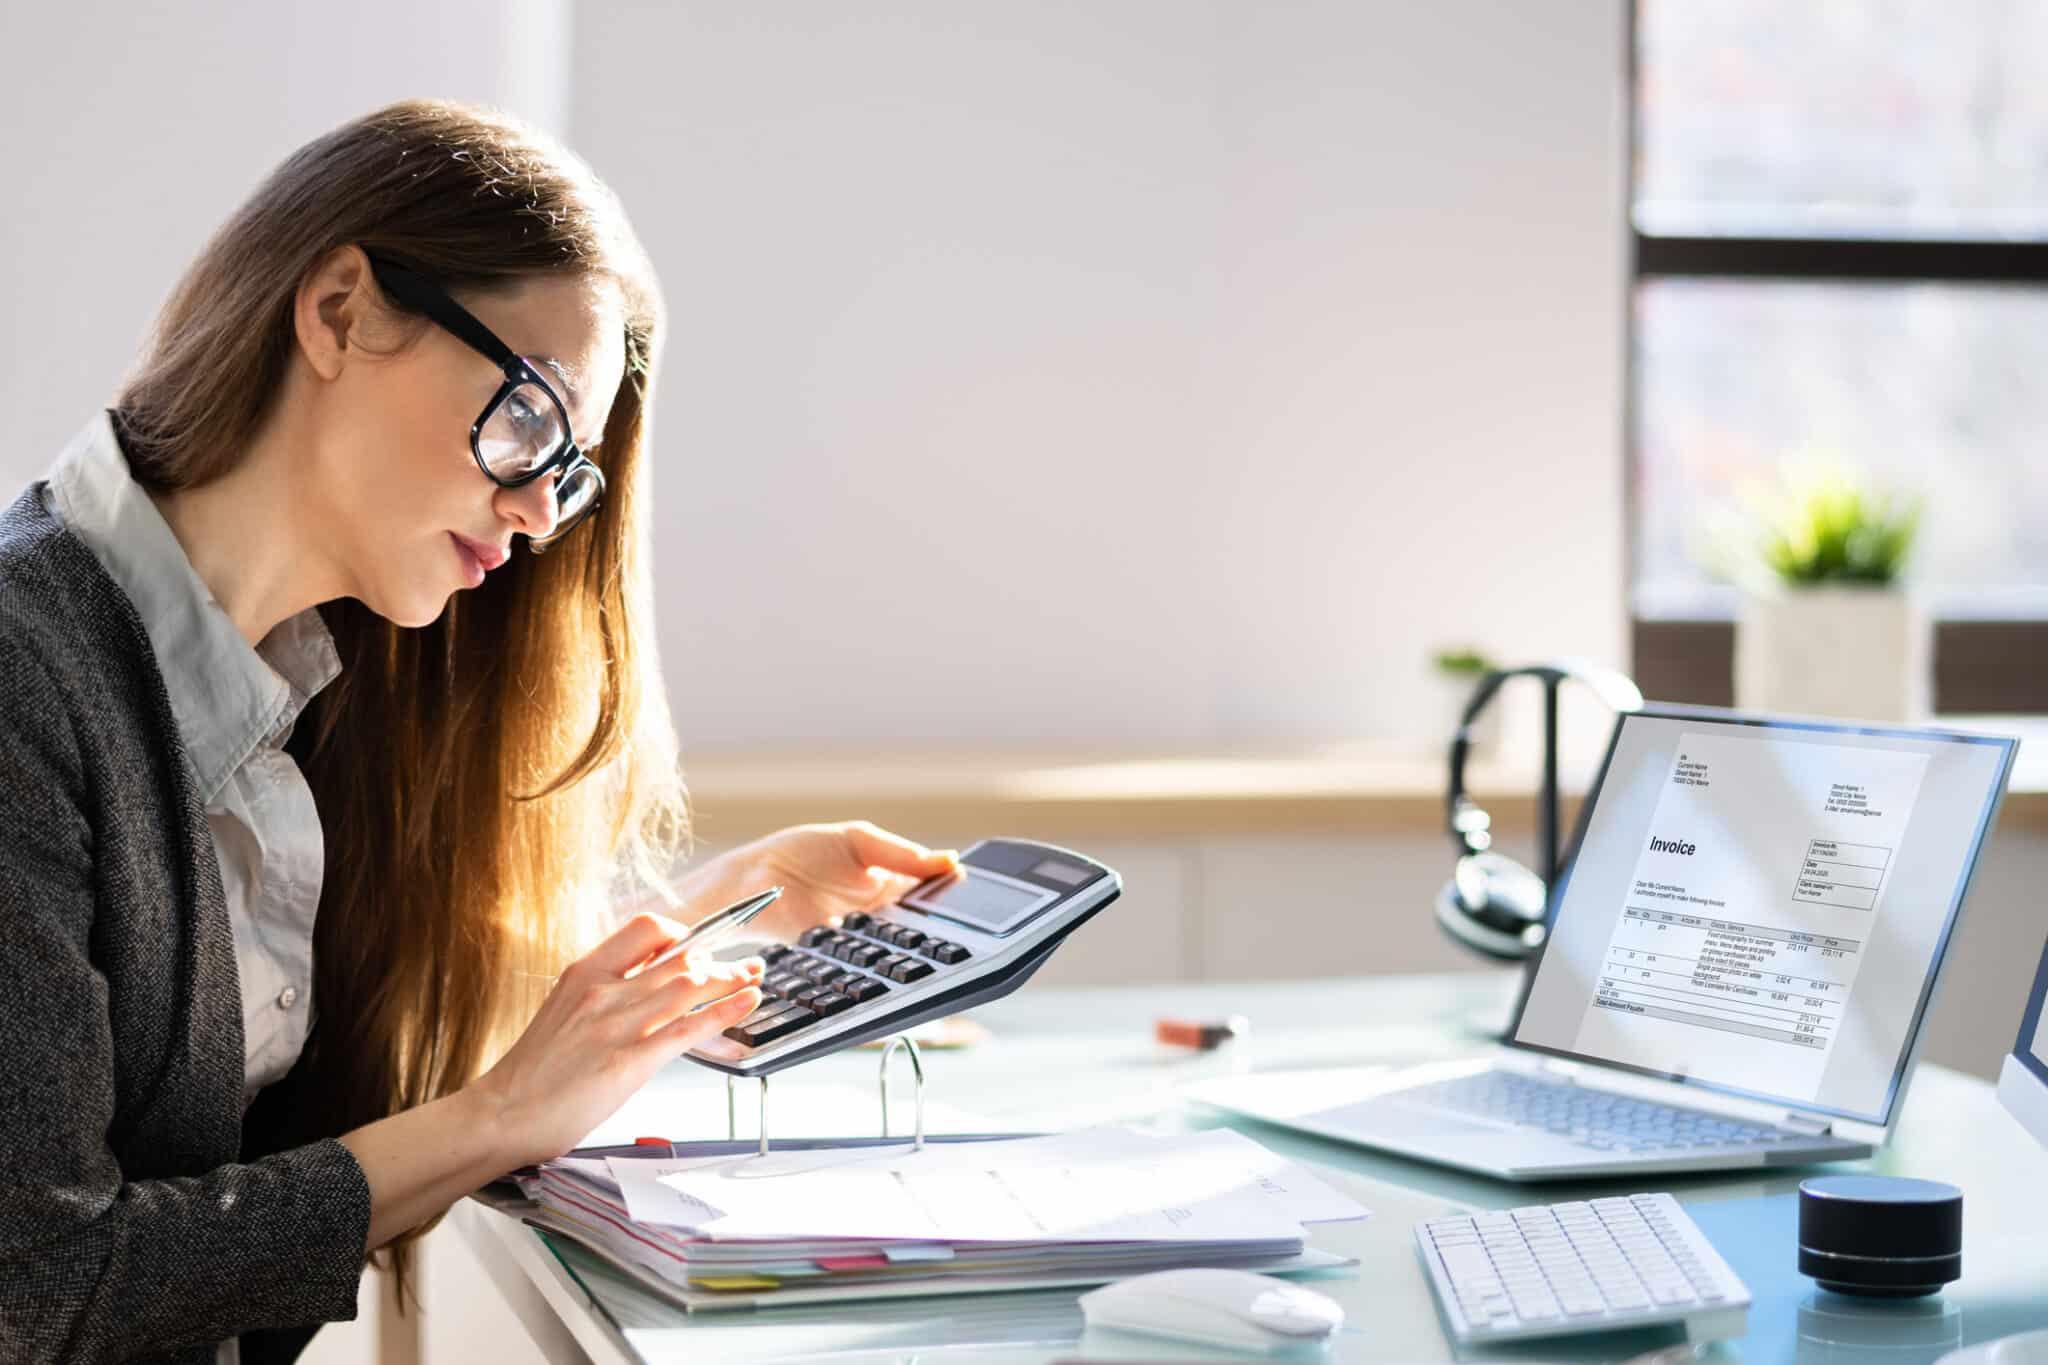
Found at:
<point>235,708</point>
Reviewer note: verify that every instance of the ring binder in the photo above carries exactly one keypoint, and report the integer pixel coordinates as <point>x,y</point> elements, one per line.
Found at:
<point>902,1040</point>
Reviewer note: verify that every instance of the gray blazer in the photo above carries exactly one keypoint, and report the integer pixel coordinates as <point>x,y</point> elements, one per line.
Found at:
<point>137,1218</point>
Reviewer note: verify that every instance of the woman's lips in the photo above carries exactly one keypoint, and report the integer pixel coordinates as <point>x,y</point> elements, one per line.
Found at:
<point>472,563</point>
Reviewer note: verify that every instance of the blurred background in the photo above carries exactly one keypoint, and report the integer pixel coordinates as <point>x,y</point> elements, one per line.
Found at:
<point>1111,422</point>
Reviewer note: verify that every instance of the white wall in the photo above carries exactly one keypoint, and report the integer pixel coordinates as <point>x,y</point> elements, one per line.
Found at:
<point>1152,371</point>
<point>129,132</point>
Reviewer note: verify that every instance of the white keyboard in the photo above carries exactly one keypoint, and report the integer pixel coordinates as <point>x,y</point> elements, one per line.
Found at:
<point>1580,1267</point>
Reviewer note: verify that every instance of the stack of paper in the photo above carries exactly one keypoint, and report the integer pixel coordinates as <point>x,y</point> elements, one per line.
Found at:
<point>956,1217</point>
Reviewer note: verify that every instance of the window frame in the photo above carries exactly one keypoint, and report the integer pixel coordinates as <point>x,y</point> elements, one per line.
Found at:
<point>1982,665</point>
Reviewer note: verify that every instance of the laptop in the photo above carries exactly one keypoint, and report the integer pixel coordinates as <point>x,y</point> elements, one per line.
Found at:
<point>1737,963</point>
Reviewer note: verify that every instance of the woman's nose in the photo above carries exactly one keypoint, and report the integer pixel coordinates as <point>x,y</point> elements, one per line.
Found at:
<point>531,507</point>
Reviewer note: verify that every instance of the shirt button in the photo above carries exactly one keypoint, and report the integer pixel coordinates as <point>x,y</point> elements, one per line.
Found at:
<point>288,997</point>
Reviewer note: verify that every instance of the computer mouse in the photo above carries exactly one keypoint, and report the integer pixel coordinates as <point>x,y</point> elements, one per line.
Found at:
<point>1217,1308</point>
<point>2022,1348</point>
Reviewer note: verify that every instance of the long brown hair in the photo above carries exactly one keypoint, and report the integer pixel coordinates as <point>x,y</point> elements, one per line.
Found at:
<point>484,781</point>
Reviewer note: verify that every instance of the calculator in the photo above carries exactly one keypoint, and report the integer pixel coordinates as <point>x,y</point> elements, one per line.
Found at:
<point>953,942</point>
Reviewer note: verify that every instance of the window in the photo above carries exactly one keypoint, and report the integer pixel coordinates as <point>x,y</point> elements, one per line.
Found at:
<point>1840,226</point>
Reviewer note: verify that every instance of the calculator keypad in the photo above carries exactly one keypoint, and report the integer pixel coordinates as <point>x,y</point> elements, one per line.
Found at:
<point>829,971</point>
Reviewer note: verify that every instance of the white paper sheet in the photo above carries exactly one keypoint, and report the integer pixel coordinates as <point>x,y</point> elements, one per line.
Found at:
<point>1105,1184</point>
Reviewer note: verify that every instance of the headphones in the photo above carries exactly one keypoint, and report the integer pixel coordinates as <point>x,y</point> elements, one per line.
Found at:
<point>1492,903</point>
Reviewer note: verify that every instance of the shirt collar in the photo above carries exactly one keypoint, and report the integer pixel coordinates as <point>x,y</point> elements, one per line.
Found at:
<point>228,698</point>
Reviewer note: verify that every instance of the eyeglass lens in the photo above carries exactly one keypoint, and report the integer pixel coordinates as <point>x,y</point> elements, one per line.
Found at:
<point>522,433</point>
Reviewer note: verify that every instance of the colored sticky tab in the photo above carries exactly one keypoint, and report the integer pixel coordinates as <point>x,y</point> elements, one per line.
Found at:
<point>918,1251</point>
<point>838,1263</point>
<point>652,1142</point>
<point>736,1282</point>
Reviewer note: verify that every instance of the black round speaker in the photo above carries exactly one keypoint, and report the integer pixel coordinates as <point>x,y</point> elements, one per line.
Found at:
<point>1880,1235</point>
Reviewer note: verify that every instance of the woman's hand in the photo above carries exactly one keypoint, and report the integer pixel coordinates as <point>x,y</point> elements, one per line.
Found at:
<point>613,1019</point>
<point>829,871</point>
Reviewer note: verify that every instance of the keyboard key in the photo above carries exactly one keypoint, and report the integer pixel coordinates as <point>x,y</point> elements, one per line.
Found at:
<point>812,937</point>
<point>775,952</point>
<point>778,1025</point>
<point>831,1003</point>
<point>867,955</point>
<point>910,970</point>
<point>862,989</point>
<point>908,938</point>
<point>946,953</point>
<point>859,919</point>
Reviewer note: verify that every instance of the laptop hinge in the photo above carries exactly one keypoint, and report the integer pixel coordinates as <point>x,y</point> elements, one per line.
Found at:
<point>1808,1124</point>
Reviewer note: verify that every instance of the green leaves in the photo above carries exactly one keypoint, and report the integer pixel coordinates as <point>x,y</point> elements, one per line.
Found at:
<point>1820,522</point>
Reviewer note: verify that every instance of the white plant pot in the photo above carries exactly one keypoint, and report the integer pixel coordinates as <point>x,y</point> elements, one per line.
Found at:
<point>1857,653</point>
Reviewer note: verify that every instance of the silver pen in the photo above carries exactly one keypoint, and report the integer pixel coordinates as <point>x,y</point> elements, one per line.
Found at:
<point>716,928</point>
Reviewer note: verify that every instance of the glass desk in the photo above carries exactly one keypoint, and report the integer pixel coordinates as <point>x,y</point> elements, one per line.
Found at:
<point>1065,1058</point>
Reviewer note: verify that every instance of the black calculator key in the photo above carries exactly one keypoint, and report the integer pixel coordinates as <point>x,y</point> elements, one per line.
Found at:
<point>806,997</point>
<point>830,1003</point>
<point>948,953</point>
<point>819,972</point>
<point>909,938</point>
<point>883,930</point>
<point>785,1021</point>
<point>859,919</point>
<point>782,985</point>
<point>862,989</point>
<point>867,955</point>
<point>845,951</point>
<point>910,969</point>
<point>891,963</point>
<point>812,937</point>
<point>775,952</point>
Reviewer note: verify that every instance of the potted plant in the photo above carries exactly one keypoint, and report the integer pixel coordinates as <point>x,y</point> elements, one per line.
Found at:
<point>1827,625</point>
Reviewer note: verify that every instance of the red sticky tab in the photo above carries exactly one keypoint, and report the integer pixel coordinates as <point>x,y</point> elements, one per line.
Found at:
<point>853,1262</point>
<point>652,1142</point>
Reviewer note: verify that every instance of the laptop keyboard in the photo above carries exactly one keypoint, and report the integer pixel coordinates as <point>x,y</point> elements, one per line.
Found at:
<point>1597,1119</point>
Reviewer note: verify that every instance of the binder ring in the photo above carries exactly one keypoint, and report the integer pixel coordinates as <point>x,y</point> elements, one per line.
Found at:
<point>909,1044</point>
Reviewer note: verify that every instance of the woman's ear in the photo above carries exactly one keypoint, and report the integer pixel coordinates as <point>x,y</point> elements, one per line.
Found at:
<point>330,308</point>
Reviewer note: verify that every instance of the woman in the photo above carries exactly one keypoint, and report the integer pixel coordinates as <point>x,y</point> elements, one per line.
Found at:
<point>291,722</point>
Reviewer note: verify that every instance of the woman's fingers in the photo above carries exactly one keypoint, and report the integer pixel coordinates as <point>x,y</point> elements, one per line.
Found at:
<point>714,1019</point>
<point>674,988</point>
<point>894,853</point>
<point>632,943</point>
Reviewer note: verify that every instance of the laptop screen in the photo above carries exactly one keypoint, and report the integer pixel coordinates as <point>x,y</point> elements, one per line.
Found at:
<point>1759,907</point>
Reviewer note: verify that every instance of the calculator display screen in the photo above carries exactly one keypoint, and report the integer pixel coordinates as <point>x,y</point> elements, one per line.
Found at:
<point>983,902</point>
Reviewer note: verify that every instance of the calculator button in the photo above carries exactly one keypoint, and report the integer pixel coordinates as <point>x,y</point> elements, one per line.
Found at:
<point>783,985</point>
<point>814,936</point>
<point>830,1003</point>
<point>806,997</point>
<point>859,919</point>
<point>909,938</point>
<point>778,1025</point>
<point>891,963</point>
<point>947,953</point>
<point>883,930</point>
<point>867,955</point>
<point>862,988</point>
<point>910,969</point>
<point>775,952</point>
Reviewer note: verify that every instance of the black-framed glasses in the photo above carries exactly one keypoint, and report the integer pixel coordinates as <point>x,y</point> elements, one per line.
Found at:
<point>523,432</point>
